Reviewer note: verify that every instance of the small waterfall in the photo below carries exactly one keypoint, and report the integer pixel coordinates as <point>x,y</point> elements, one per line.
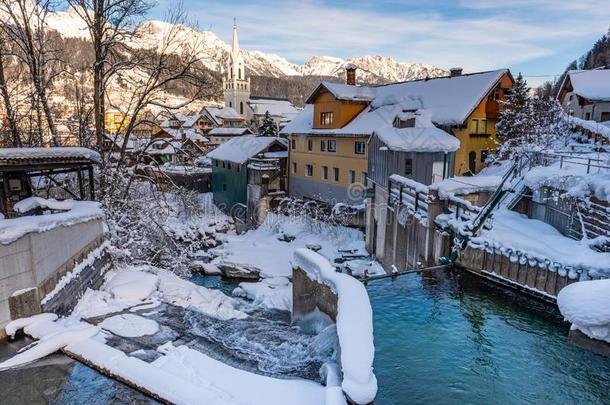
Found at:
<point>265,343</point>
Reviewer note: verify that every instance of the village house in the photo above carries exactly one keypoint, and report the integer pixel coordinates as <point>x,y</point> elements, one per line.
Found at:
<point>218,136</point>
<point>245,170</point>
<point>236,88</point>
<point>216,117</point>
<point>328,139</point>
<point>585,94</point>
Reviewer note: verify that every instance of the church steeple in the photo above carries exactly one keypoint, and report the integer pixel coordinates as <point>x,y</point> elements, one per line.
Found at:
<point>236,85</point>
<point>235,44</point>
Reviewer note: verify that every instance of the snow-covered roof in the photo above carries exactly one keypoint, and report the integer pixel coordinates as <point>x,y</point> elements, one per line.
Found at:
<point>276,107</point>
<point>240,149</point>
<point>219,114</point>
<point>590,84</point>
<point>56,153</point>
<point>345,92</point>
<point>449,101</point>
<point>189,133</point>
<point>228,131</point>
<point>423,137</point>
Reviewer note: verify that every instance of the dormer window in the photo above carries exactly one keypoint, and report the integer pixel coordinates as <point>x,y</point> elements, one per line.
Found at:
<point>326,118</point>
<point>404,122</point>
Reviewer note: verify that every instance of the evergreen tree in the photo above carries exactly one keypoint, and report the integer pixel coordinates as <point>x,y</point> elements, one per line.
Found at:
<point>268,126</point>
<point>514,117</point>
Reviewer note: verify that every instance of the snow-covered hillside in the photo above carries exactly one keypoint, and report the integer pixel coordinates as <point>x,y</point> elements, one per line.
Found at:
<point>214,53</point>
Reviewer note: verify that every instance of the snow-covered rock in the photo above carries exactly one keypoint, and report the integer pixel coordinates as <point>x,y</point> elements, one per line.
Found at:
<point>270,293</point>
<point>239,270</point>
<point>130,325</point>
<point>586,305</point>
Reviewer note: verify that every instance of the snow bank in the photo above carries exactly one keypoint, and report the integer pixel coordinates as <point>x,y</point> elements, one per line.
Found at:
<point>13,326</point>
<point>132,285</point>
<point>53,337</point>
<point>129,325</point>
<point>354,325</point>
<point>31,203</point>
<point>540,240</point>
<point>262,249</point>
<point>138,285</point>
<point>586,305</point>
<point>183,293</point>
<point>270,293</point>
<point>15,228</point>
<point>245,388</point>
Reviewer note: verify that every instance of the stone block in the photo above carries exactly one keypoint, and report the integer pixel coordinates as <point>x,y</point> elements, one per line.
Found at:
<point>24,303</point>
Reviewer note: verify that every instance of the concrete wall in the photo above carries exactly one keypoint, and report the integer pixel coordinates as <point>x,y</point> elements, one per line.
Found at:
<point>38,260</point>
<point>307,295</point>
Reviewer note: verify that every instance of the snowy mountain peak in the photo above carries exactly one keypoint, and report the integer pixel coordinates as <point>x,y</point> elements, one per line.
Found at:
<point>213,53</point>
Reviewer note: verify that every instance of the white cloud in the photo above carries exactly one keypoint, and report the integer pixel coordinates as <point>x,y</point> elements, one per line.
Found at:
<point>474,39</point>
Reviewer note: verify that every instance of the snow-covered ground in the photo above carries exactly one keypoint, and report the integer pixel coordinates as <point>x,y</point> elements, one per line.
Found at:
<point>264,249</point>
<point>540,240</point>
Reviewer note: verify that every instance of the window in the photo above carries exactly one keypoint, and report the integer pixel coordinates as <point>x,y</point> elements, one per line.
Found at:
<point>587,116</point>
<point>408,168</point>
<point>293,143</point>
<point>308,170</point>
<point>216,163</point>
<point>406,123</point>
<point>224,165</point>
<point>323,146</point>
<point>326,118</point>
<point>309,144</point>
<point>239,73</point>
<point>475,127</point>
<point>352,176</point>
<point>238,168</point>
<point>230,104</point>
<point>363,177</point>
<point>359,148</point>
<point>224,187</point>
<point>605,116</point>
<point>335,173</point>
<point>294,168</point>
<point>324,172</point>
<point>241,107</point>
<point>483,126</point>
<point>332,145</point>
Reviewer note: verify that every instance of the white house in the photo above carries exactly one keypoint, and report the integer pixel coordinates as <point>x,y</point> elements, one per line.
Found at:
<point>585,94</point>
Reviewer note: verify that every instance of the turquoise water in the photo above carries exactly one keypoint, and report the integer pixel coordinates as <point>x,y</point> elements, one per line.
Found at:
<point>445,337</point>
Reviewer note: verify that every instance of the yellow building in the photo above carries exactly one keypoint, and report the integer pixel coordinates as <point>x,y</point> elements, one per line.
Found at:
<point>344,116</point>
<point>115,121</point>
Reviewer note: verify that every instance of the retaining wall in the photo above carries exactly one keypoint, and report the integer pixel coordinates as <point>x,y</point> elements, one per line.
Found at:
<point>538,280</point>
<point>31,266</point>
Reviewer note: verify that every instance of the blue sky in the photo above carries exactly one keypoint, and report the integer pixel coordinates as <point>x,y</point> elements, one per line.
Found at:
<point>536,37</point>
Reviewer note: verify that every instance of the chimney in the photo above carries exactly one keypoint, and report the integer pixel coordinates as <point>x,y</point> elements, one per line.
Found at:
<point>350,74</point>
<point>455,72</point>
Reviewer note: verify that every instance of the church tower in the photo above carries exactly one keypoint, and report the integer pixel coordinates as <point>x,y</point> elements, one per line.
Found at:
<point>236,86</point>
